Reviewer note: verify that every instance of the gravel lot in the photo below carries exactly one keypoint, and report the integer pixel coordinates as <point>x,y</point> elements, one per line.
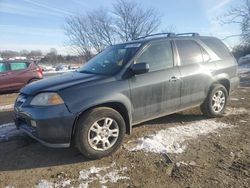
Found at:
<point>206,153</point>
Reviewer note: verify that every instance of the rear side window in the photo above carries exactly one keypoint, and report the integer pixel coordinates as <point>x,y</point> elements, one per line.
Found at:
<point>3,67</point>
<point>189,52</point>
<point>18,65</point>
<point>217,47</point>
<point>158,55</point>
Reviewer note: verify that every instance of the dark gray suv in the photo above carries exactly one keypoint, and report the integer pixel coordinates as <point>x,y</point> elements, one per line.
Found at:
<point>124,85</point>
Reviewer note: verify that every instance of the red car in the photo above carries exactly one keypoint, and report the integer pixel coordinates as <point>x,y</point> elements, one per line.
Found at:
<point>16,74</point>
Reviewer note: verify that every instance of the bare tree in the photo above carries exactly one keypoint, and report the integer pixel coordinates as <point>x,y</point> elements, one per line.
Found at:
<point>89,32</point>
<point>132,21</point>
<point>101,29</point>
<point>239,15</point>
<point>98,29</point>
<point>75,28</point>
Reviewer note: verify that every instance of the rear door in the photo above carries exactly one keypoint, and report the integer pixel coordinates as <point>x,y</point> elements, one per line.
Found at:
<point>196,71</point>
<point>157,92</point>
<point>4,76</point>
<point>19,73</point>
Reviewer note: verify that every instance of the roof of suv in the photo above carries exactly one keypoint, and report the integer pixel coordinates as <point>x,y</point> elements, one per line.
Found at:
<point>159,36</point>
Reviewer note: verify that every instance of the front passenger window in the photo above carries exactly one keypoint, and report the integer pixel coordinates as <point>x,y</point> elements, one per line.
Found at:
<point>158,55</point>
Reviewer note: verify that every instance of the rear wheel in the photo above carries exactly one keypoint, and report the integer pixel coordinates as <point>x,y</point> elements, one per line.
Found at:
<point>99,132</point>
<point>215,103</point>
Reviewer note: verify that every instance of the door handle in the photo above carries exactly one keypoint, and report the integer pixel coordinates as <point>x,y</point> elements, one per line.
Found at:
<point>173,79</point>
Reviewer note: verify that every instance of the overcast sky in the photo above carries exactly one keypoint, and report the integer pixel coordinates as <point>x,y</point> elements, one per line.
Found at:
<point>38,24</point>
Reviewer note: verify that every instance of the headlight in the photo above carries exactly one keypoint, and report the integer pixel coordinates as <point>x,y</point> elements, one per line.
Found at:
<point>46,99</point>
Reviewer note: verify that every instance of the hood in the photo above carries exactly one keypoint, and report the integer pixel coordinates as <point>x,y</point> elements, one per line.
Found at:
<point>56,83</point>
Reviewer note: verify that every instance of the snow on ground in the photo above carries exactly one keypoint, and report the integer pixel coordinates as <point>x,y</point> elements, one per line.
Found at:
<point>172,140</point>
<point>48,184</point>
<point>56,72</point>
<point>233,99</point>
<point>236,111</point>
<point>6,107</point>
<point>102,175</point>
<point>7,131</point>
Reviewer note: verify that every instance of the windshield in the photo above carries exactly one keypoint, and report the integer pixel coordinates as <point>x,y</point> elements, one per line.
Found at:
<point>111,60</point>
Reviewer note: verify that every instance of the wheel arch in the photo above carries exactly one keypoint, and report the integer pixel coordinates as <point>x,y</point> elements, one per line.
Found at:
<point>118,106</point>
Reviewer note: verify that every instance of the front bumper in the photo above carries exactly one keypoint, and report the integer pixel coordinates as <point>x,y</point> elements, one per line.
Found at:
<point>51,125</point>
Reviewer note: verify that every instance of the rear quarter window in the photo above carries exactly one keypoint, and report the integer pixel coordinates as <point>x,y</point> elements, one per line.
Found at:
<point>218,47</point>
<point>18,65</point>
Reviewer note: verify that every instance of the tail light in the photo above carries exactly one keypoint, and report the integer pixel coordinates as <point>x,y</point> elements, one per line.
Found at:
<point>39,69</point>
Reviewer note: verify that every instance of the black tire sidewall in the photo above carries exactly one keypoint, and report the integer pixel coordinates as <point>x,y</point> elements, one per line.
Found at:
<point>84,124</point>
<point>214,89</point>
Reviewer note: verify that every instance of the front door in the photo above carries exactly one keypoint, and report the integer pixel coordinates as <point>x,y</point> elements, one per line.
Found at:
<point>157,92</point>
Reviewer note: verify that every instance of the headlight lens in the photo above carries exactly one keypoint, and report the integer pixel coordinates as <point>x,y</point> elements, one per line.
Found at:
<point>46,99</point>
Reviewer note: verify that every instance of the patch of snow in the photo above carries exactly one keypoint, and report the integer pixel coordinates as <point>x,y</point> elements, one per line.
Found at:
<point>6,107</point>
<point>7,131</point>
<point>101,174</point>
<point>172,140</point>
<point>243,121</point>
<point>57,72</point>
<point>45,184</point>
<point>233,99</point>
<point>236,111</point>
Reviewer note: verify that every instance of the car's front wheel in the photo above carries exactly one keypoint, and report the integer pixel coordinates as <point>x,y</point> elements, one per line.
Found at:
<point>99,132</point>
<point>215,103</point>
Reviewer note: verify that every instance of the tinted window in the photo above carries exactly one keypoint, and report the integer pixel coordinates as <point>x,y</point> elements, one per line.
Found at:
<point>189,52</point>
<point>2,67</point>
<point>18,65</point>
<point>158,55</point>
<point>111,60</point>
<point>218,47</point>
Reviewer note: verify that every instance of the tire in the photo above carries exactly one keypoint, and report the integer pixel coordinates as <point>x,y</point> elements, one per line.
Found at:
<point>212,107</point>
<point>91,135</point>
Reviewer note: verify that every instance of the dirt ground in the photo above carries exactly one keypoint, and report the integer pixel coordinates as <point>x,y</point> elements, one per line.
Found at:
<point>216,160</point>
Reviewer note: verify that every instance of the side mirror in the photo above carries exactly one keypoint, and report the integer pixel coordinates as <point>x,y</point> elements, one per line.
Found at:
<point>140,68</point>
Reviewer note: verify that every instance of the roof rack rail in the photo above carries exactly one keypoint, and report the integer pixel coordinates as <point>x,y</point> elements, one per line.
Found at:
<point>192,34</point>
<point>156,34</point>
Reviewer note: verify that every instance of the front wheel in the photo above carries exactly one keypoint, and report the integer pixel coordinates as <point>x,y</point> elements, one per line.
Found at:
<point>99,132</point>
<point>215,103</point>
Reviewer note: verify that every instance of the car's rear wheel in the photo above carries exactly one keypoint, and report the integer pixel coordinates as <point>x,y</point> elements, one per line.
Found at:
<point>215,103</point>
<point>99,132</point>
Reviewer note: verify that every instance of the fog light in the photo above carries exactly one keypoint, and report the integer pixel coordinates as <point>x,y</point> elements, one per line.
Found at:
<point>33,123</point>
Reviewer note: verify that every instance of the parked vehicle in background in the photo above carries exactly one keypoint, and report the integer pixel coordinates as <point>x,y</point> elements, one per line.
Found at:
<point>16,74</point>
<point>61,67</point>
<point>124,85</point>
<point>244,60</point>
